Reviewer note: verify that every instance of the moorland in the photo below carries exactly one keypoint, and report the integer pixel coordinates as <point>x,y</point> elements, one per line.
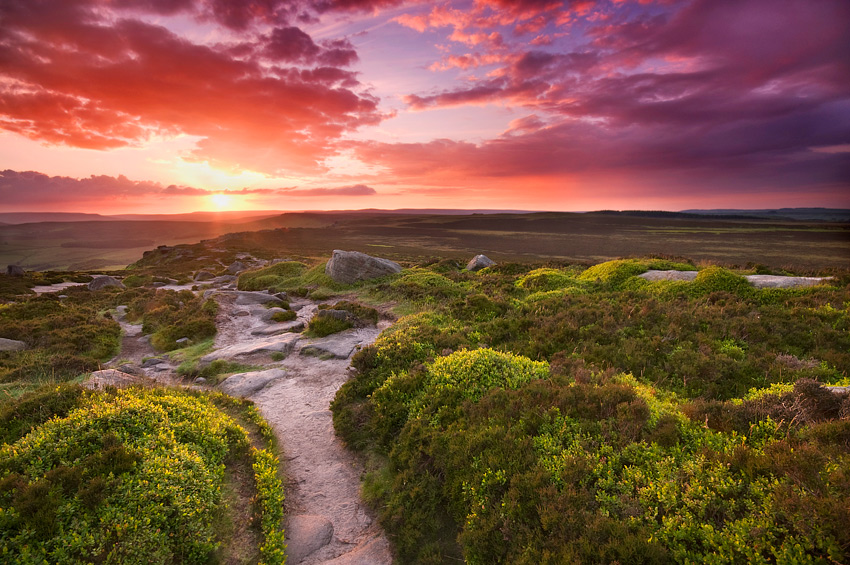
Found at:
<point>552,408</point>
<point>773,240</point>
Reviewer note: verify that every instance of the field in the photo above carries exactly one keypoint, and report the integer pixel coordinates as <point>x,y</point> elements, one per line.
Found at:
<point>587,238</point>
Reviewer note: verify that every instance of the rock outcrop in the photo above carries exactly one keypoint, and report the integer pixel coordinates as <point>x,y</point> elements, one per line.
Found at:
<point>236,267</point>
<point>14,270</point>
<point>479,262</point>
<point>351,266</point>
<point>11,345</point>
<point>103,281</point>
<point>202,276</point>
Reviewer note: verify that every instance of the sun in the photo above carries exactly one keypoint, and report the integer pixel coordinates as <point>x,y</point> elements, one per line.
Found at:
<point>220,201</point>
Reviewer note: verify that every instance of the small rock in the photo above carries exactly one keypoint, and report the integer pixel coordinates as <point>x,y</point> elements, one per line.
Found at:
<point>153,361</point>
<point>246,384</point>
<point>11,345</point>
<point>158,284</point>
<point>199,380</point>
<point>351,266</point>
<point>62,296</point>
<point>129,369</point>
<point>241,313</point>
<point>14,270</point>
<point>204,276</point>
<point>112,377</point>
<point>103,281</point>
<point>479,262</point>
<point>305,535</point>
<point>335,314</point>
<point>282,295</point>
<point>236,267</point>
<point>183,341</point>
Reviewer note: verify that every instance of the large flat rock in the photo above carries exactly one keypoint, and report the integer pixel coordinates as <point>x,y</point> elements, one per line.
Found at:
<point>246,384</point>
<point>777,281</point>
<point>758,281</point>
<point>284,343</point>
<point>337,346</point>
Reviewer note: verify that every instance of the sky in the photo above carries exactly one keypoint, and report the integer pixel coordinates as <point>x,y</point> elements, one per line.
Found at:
<point>169,106</point>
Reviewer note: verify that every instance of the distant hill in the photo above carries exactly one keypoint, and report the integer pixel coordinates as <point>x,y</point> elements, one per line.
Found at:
<point>15,218</point>
<point>807,214</point>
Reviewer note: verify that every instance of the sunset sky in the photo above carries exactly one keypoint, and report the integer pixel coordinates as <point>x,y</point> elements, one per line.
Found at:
<point>165,106</point>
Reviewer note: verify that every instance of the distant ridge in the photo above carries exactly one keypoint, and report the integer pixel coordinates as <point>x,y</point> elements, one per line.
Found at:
<point>743,215</point>
<point>820,214</point>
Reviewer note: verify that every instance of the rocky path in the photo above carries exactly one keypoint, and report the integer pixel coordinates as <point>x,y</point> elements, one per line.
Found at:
<point>327,521</point>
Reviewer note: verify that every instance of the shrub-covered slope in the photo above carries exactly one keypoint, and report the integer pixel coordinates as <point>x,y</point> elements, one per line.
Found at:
<point>566,416</point>
<point>129,476</point>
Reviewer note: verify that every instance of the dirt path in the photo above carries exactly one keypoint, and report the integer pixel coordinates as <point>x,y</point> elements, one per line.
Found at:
<point>327,521</point>
<point>137,357</point>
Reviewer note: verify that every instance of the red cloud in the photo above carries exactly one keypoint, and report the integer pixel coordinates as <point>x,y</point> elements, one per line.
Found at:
<point>354,190</point>
<point>72,74</point>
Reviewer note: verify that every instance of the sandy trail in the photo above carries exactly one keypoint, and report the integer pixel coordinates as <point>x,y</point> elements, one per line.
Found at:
<point>327,521</point>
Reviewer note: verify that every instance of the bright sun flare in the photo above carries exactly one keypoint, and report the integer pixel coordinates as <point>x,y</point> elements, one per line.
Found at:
<point>220,200</point>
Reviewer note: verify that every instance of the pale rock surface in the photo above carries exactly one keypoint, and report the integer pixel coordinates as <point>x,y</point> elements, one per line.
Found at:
<point>11,345</point>
<point>248,298</point>
<point>305,534</point>
<point>276,344</point>
<point>246,384</point>
<point>113,377</point>
<point>777,281</point>
<point>653,276</point>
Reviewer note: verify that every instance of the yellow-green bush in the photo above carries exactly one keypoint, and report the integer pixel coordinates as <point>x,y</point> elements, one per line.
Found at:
<point>287,273</point>
<point>417,284</point>
<point>546,279</point>
<point>613,272</point>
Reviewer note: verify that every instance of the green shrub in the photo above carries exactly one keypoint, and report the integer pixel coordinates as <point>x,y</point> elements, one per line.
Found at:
<point>279,275</point>
<point>324,326</point>
<point>419,284</point>
<point>363,314</point>
<point>284,316</point>
<point>716,279</point>
<point>546,279</point>
<point>136,281</point>
<point>613,272</point>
